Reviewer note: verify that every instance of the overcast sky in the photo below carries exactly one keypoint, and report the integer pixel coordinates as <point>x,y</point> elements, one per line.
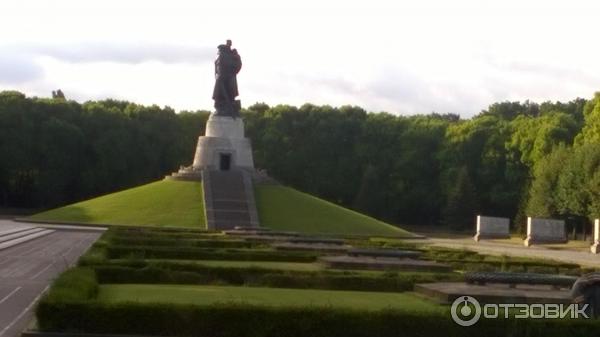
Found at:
<point>403,57</point>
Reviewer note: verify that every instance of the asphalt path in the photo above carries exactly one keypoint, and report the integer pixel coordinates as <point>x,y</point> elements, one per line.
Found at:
<point>27,269</point>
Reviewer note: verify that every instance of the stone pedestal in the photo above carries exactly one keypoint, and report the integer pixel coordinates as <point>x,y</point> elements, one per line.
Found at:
<point>489,227</point>
<point>223,162</point>
<point>595,248</point>
<point>223,147</point>
<point>545,231</point>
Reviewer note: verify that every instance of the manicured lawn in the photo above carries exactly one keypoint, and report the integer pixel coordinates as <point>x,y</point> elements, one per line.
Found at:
<point>204,295</point>
<point>162,203</point>
<point>284,208</point>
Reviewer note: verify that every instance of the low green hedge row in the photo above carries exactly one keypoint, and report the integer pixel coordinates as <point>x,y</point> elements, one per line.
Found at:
<point>157,273</point>
<point>515,267</point>
<point>96,254</point>
<point>170,242</point>
<point>235,320</point>
<point>197,253</point>
<point>167,235</point>
<point>75,284</point>
<point>451,255</point>
<point>473,261</point>
<point>166,230</point>
<point>390,243</point>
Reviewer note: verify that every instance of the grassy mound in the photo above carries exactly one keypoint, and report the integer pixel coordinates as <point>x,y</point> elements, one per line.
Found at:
<point>162,203</point>
<point>284,208</point>
<point>181,204</point>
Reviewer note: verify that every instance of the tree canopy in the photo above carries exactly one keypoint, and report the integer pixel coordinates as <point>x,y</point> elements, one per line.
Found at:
<point>513,159</point>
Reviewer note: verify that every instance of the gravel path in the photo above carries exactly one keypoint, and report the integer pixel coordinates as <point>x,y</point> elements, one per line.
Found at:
<point>496,248</point>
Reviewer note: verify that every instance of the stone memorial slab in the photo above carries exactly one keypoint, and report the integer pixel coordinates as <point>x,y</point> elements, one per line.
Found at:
<point>596,246</point>
<point>545,231</point>
<point>489,227</point>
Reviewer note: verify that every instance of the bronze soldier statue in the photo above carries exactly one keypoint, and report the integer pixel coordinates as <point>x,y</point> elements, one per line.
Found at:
<point>227,66</point>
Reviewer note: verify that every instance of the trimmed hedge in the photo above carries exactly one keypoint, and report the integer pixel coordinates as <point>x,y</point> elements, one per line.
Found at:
<point>235,320</point>
<point>76,284</point>
<point>194,253</point>
<point>95,255</point>
<point>160,230</point>
<point>156,273</point>
<point>187,242</point>
<point>161,234</point>
<point>388,243</point>
<point>473,261</point>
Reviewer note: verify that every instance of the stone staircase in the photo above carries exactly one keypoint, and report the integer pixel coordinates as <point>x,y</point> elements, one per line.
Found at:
<point>13,236</point>
<point>229,199</point>
<point>186,174</point>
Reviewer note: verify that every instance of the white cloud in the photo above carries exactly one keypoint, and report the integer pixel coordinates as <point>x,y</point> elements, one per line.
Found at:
<point>120,52</point>
<point>400,56</point>
<point>16,69</point>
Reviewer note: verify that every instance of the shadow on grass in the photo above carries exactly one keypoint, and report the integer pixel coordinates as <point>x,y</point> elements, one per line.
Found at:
<point>66,214</point>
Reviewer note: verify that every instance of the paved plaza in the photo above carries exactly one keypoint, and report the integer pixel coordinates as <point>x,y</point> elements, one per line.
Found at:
<point>28,268</point>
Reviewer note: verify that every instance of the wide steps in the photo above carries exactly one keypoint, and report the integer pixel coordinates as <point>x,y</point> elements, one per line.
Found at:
<point>4,237</point>
<point>228,203</point>
<point>25,236</point>
<point>232,215</point>
<point>228,224</point>
<point>15,230</point>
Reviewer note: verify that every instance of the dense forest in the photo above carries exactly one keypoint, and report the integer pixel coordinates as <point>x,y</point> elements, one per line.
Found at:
<point>513,159</point>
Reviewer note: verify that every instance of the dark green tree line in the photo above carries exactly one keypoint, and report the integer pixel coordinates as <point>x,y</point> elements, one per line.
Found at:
<point>513,159</point>
<point>55,151</point>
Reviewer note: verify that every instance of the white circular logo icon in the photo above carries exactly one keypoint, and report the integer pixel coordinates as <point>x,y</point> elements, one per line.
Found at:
<point>465,311</point>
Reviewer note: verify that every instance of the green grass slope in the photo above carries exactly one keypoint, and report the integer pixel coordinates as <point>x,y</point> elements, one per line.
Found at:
<point>162,203</point>
<point>284,208</point>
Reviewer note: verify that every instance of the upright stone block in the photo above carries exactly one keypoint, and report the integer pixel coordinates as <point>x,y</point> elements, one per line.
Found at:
<point>545,231</point>
<point>489,227</point>
<point>596,246</point>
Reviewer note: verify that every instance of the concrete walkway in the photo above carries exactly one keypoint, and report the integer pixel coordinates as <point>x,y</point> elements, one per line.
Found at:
<point>495,248</point>
<point>27,269</point>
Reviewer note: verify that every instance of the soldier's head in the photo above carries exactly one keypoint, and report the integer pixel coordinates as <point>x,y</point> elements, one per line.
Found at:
<point>228,43</point>
<point>222,48</point>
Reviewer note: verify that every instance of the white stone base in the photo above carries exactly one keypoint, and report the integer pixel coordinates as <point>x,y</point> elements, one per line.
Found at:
<point>210,149</point>
<point>224,136</point>
<point>595,248</point>
<point>224,127</point>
